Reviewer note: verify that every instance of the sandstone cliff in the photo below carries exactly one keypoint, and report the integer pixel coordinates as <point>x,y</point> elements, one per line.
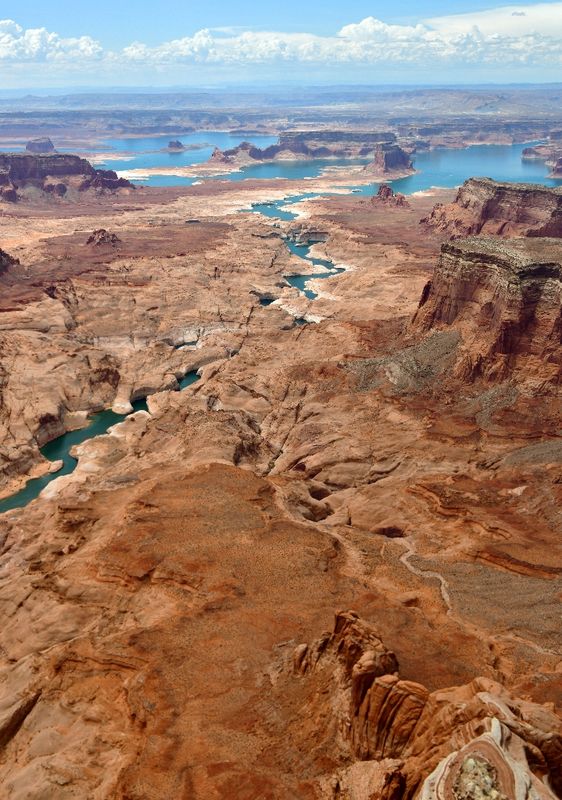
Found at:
<point>505,298</point>
<point>314,144</point>
<point>500,209</point>
<point>6,261</point>
<point>390,159</point>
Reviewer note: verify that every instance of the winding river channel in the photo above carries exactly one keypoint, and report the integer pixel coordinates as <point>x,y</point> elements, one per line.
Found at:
<point>59,449</point>
<point>435,168</point>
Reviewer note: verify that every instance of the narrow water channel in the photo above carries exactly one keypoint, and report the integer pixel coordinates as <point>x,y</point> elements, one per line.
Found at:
<point>59,449</point>
<point>277,210</point>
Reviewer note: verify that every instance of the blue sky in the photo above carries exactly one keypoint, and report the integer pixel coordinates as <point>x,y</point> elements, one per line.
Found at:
<point>118,23</point>
<point>62,43</point>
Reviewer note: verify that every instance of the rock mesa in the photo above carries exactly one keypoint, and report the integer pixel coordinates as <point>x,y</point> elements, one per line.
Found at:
<point>500,209</point>
<point>504,297</point>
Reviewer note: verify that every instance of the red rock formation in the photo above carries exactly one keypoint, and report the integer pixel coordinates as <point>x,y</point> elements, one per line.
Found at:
<point>556,171</point>
<point>19,170</point>
<point>41,145</point>
<point>389,159</point>
<point>505,300</point>
<point>500,209</point>
<point>102,237</point>
<point>407,742</point>
<point>387,196</point>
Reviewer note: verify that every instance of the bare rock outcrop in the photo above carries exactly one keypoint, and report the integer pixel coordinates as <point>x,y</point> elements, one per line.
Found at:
<point>500,209</point>
<point>101,237</point>
<point>388,197</point>
<point>19,171</point>
<point>556,171</point>
<point>505,298</point>
<point>6,261</point>
<point>40,145</point>
<point>390,159</point>
<point>406,742</point>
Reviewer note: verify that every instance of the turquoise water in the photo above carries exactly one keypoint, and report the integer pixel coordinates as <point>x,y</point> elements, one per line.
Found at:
<point>441,167</point>
<point>274,210</point>
<point>289,170</point>
<point>450,168</point>
<point>144,152</point>
<point>188,379</point>
<point>300,281</point>
<point>59,449</point>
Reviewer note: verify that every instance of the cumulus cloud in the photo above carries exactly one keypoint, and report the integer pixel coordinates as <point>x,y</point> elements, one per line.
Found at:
<point>519,35</point>
<point>39,44</point>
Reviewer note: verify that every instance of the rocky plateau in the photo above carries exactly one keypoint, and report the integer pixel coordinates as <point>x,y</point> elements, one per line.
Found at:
<point>483,206</point>
<point>172,609</point>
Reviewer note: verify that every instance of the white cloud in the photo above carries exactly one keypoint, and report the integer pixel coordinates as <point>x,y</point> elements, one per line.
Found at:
<point>38,44</point>
<point>519,35</point>
<point>544,19</point>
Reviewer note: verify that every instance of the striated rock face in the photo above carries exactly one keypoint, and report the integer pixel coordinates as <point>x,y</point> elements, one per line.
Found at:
<point>313,144</point>
<point>472,741</point>
<point>390,158</point>
<point>41,145</point>
<point>500,209</point>
<point>21,170</point>
<point>505,297</point>
<point>28,167</point>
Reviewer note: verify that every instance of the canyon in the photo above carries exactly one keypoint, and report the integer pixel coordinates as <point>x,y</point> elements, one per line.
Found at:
<point>330,567</point>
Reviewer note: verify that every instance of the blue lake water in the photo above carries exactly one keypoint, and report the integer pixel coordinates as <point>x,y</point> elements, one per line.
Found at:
<point>450,168</point>
<point>436,168</point>
<point>300,281</point>
<point>59,448</point>
<point>144,152</point>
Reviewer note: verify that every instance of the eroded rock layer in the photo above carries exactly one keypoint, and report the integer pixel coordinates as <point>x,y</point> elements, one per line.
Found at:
<point>53,174</point>
<point>505,298</point>
<point>390,159</point>
<point>472,741</point>
<point>483,206</point>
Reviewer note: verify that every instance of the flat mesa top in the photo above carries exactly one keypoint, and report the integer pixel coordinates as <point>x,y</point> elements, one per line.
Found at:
<point>517,255</point>
<point>516,187</point>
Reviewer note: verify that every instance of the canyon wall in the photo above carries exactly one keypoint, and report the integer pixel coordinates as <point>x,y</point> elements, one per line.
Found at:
<point>500,209</point>
<point>505,298</point>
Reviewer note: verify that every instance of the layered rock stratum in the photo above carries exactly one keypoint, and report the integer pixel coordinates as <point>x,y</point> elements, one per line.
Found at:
<point>53,174</point>
<point>484,206</point>
<point>505,299</point>
<point>41,145</point>
<point>390,159</point>
<point>164,604</point>
<point>472,741</point>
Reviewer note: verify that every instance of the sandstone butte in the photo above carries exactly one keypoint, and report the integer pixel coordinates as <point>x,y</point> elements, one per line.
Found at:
<point>328,569</point>
<point>390,159</point>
